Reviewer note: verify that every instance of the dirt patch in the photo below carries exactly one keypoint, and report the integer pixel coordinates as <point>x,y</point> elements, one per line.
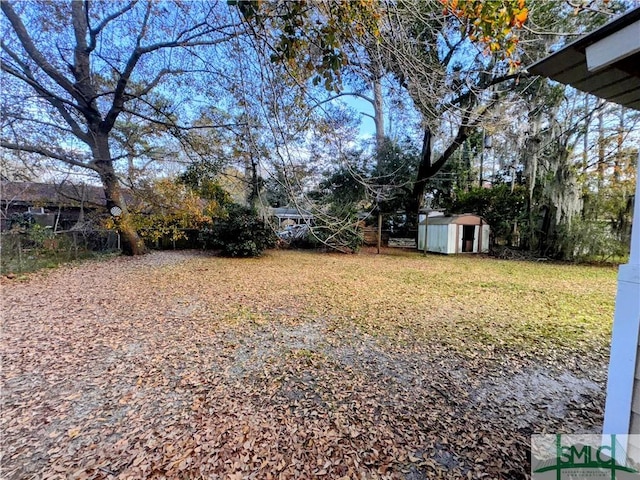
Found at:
<point>535,393</point>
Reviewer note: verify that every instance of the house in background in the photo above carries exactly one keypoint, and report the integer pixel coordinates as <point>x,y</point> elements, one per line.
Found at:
<point>453,234</point>
<point>57,206</point>
<point>285,217</point>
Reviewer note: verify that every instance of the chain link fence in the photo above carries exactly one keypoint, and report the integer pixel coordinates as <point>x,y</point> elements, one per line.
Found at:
<point>37,248</point>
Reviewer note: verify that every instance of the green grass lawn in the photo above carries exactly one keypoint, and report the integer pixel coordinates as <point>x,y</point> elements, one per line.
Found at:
<point>464,301</point>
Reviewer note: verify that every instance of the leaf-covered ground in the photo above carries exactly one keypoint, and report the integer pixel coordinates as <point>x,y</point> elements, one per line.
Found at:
<point>298,365</point>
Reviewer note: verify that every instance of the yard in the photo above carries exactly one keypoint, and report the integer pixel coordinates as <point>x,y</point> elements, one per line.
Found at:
<point>299,365</point>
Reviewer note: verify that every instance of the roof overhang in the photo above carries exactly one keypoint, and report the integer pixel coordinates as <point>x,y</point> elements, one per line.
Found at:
<point>605,63</point>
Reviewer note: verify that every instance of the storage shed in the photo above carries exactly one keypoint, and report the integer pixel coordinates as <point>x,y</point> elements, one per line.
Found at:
<point>453,234</point>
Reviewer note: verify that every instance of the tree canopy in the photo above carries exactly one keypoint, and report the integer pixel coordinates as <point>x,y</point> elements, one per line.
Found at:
<point>268,100</point>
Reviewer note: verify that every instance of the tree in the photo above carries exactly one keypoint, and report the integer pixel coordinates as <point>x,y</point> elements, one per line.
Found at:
<point>239,233</point>
<point>459,68</point>
<point>165,208</point>
<point>472,92</point>
<point>285,185</point>
<point>501,206</point>
<point>311,37</point>
<point>417,43</point>
<point>438,58</point>
<point>393,176</point>
<point>80,66</point>
<point>344,187</point>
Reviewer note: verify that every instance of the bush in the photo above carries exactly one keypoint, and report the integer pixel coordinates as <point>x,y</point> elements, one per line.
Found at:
<point>164,210</point>
<point>585,241</point>
<point>241,233</point>
<point>21,221</point>
<point>39,235</point>
<point>39,248</point>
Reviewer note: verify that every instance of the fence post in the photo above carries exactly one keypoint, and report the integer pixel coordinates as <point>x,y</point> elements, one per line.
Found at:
<point>75,244</point>
<point>426,233</point>
<point>379,239</point>
<point>19,253</point>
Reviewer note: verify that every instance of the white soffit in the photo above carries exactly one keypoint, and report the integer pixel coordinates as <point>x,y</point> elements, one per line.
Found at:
<point>613,48</point>
<point>616,77</point>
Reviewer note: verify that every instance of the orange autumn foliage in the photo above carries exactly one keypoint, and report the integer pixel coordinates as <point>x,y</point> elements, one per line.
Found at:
<point>492,23</point>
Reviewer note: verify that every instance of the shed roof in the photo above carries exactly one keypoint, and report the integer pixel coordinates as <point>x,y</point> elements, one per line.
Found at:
<point>285,212</point>
<point>463,219</point>
<point>50,194</point>
<point>617,79</point>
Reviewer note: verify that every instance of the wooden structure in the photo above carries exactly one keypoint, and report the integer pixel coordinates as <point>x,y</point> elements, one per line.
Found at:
<point>50,205</point>
<point>606,63</point>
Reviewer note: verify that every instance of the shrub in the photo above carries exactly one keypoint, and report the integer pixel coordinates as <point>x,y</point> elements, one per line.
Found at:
<point>241,233</point>
<point>166,209</point>
<point>584,241</point>
<point>21,221</point>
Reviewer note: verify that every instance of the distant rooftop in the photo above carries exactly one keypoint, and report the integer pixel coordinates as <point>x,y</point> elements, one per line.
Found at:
<point>50,194</point>
<point>286,212</point>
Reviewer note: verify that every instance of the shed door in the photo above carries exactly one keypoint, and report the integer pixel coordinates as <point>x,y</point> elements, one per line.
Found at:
<point>468,234</point>
<point>476,240</point>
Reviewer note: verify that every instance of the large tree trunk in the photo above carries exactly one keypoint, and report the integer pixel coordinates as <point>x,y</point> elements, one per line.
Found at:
<point>428,167</point>
<point>424,173</point>
<point>378,111</point>
<point>131,242</point>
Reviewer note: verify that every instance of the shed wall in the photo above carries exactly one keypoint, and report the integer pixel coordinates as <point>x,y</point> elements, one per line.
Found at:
<point>476,238</point>
<point>421,231</point>
<point>485,238</point>
<point>452,236</point>
<point>437,236</point>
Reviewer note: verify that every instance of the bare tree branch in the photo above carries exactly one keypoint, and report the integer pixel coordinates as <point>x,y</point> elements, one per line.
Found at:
<point>175,126</point>
<point>35,54</point>
<point>61,156</point>
<point>94,32</point>
<point>57,102</point>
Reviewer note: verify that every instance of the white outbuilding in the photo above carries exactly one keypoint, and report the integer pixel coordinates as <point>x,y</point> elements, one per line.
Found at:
<point>453,234</point>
